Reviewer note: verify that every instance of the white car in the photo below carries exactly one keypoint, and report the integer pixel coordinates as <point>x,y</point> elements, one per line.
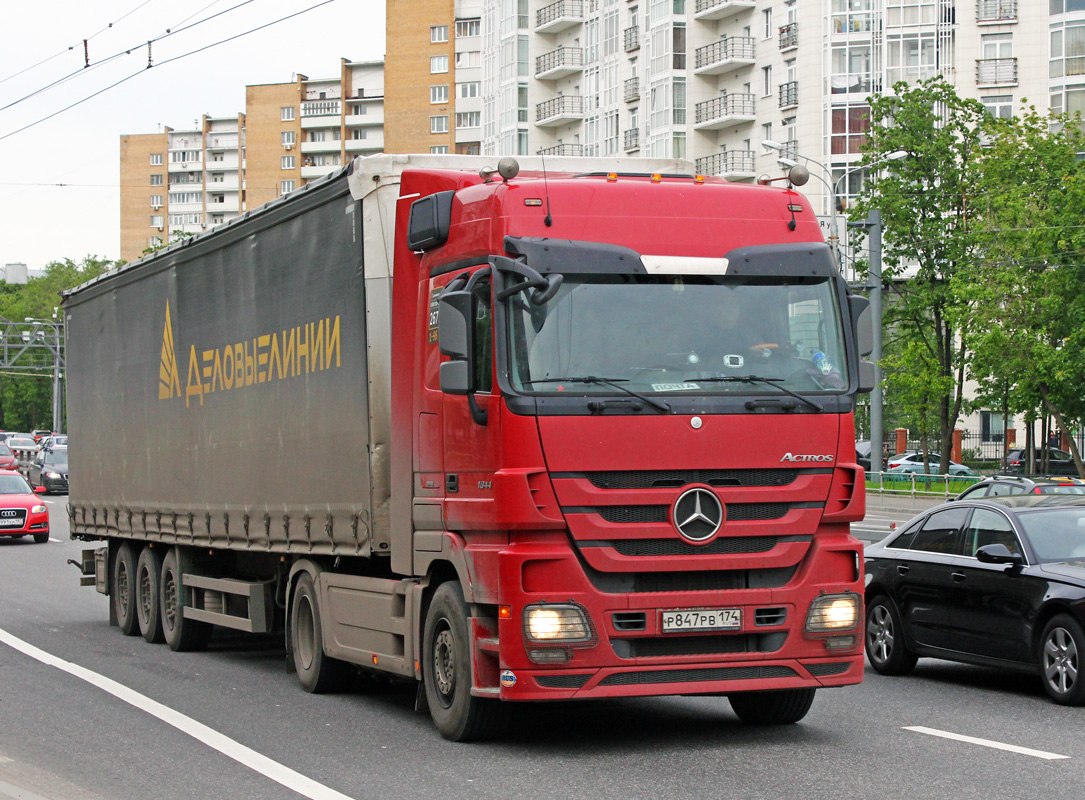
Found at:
<point>913,462</point>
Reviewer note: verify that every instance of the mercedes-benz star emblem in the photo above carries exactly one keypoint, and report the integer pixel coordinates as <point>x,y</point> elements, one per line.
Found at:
<point>698,514</point>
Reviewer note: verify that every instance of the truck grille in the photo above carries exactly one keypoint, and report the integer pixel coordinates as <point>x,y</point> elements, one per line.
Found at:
<point>698,645</point>
<point>662,479</point>
<point>824,670</point>
<point>736,512</point>
<point>561,681</point>
<point>715,581</point>
<point>695,675</point>
<point>674,547</point>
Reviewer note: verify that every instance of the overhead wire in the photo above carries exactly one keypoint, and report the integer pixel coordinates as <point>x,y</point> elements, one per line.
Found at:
<point>163,63</point>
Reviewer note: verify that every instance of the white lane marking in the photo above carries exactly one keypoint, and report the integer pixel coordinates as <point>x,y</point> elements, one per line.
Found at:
<point>197,730</point>
<point>16,793</point>
<point>58,541</point>
<point>1025,751</point>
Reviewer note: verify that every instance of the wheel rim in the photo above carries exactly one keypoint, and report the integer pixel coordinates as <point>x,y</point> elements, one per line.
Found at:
<point>306,632</point>
<point>146,594</point>
<point>124,587</point>
<point>1060,661</point>
<point>169,600</point>
<point>444,663</point>
<point>879,634</point>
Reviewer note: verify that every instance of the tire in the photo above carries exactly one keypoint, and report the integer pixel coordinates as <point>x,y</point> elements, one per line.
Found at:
<point>123,589</point>
<point>782,707</point>
<point>148,601</point>
<point>885,646</point>
<point>182,635</point>
<point>1062,648</point>
<point>318,672</point>
<point>446,672</point>
<point>41,538</point>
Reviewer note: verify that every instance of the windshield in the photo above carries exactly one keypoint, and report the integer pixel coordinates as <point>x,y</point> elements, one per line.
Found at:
<point>56,458</point>
<point>1057,534</point>
<point>670,333</point>
<point>14,484</point>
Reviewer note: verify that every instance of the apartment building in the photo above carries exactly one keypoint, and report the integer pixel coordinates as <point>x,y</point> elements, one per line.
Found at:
<point>190,180</point>
<point>434,76</point>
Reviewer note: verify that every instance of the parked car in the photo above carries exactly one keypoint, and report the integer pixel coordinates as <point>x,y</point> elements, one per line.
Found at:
<point>23,447</point>
<point>913,463</point>
<point>998,582</point>
<point>1059,462</point>
<point>7,458</point>
<point>1006,485</point>
<point>50,469</point>
<point>21,510</point>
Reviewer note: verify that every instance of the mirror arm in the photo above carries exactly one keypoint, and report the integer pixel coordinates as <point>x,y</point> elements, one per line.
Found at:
<point>478,414</point>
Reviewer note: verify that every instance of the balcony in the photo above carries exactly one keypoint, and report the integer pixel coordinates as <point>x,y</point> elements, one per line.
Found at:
<point>789,36</point>
<point>311,172</point>
<point>329,146</point>
<point>631,37</point>
<point>789,94</point>
<point>996,11</point>
<point>856,83</point>
<point>559,16</point>
<point>726,55</point>
<point>996,72</point>
<point>631,90</point>
<point>631,139</point>
<point>733,165</point>
<point>218,141</point>
<point>723,112</point>
<point>721,9</point>
<point>560,63</point>
<point>560,110</point>
<point>320,108</point>
<point>563,150</point>
<point>371,144</point>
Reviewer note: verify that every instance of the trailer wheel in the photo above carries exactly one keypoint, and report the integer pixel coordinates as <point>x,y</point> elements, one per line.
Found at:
<point>180,634</point>
<point>148,601</point>
<point>782,707</point>
<point>318,672</point>
<point>124,589</point>
<point>446,672</point>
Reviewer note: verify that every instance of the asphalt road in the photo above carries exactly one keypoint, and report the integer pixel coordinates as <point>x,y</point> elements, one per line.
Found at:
<point>88,714</point>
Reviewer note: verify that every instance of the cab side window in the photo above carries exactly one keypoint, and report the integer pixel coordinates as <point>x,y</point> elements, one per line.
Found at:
<point>939,532</point>
<point>484,336</point>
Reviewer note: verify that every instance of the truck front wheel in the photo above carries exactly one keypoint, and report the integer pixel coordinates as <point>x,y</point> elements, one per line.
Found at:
<point>446,672</point>
<point>317,671</point>
<point>124,589</point>
<point>181,634</point>
<point>782,707</point>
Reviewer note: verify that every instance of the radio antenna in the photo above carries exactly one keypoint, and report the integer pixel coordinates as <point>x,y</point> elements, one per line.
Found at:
<point>548,220</point>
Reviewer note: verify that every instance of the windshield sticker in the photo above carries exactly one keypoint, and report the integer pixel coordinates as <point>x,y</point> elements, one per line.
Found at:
<point>674,387</point>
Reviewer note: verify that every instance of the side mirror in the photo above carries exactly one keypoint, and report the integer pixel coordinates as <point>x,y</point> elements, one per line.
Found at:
<point>454,329</point>
<point>864,324</point>
<point>39,490</point>
<point>998,554</point>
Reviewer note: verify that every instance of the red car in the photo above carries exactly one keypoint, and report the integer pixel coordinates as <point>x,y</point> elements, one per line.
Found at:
<point>7,458</point>
<point>22,512</point>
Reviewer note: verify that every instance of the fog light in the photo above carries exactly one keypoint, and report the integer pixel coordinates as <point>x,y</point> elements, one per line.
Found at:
<point>556,623</point>
<point>833,612</point>
<point>836,644</point>
<point>548,655</point>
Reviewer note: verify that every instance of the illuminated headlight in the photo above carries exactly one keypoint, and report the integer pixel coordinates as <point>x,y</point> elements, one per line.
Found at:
<point>830,613</point>
<point>557,623</point>
<point>53,475</point>
<point>38,510</point>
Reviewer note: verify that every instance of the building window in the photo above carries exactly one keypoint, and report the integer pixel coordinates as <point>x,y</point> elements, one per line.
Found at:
<point>438,94</point>
<point>1000,106</point>
<point>286,113</point>
<point>184,219</point>
<point>217,177</point>
<point>217,219</point>
<point>358,109</point>
<point>286,162</point>
<point>318,136</point>
<point>218,156</point>
<point>156,180</point>
<point>438,64</point>
<point>156,159</point>
<point>286,187</point>
<point>766,81</point>
<point>438,34</point>
<point>156,241</point>
<point>184,156</point>
<point>438,124</point>
<point>470,58</point>
<point>469,119</point>
<point>182,198</point>
<point>468,89</point>
<point>156,220</point>
<point>358,133</point>
<point>156,201</point>
<point>287,138</point>
<point>766,19</point>
<point>439,149</point>
<point>850,124</point>
<point>992,426</point>
<point>468,27</point>
<point>996,45</point>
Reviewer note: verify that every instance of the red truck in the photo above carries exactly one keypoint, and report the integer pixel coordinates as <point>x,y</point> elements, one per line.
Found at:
<point>582,430</point>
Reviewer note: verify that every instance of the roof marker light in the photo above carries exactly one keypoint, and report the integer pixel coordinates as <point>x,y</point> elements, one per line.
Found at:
<point>656,177</point>
<point>698,178</point>
<point>612,176</point>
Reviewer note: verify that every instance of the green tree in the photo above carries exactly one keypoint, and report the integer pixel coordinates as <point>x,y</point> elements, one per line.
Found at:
<point>927,203</point>
<point>1026,289</point>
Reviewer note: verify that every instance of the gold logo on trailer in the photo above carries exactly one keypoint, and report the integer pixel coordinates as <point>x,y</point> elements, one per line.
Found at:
<point>301,350</point>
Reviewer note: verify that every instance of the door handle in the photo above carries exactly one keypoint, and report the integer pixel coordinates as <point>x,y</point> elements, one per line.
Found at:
<point>958,576</point>
<point>902,569</point>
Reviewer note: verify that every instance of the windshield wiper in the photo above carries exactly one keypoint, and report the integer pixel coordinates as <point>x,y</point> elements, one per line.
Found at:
<point>773,382</point>
<point>614,383</point>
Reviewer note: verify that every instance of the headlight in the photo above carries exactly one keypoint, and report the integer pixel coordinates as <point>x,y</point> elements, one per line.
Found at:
<point>38,510</point>
<point>557,624</point>
<point>53,475</point>
<point>830,613</point>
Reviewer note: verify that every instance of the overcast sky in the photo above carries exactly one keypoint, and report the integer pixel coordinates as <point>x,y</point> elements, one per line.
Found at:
<point>42,222</point>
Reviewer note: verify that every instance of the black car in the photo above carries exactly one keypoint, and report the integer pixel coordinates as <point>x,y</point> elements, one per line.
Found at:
<point>50,469</point>
<point>1006,485</point>
<point>998,582</point>
<point>1059,462</point>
